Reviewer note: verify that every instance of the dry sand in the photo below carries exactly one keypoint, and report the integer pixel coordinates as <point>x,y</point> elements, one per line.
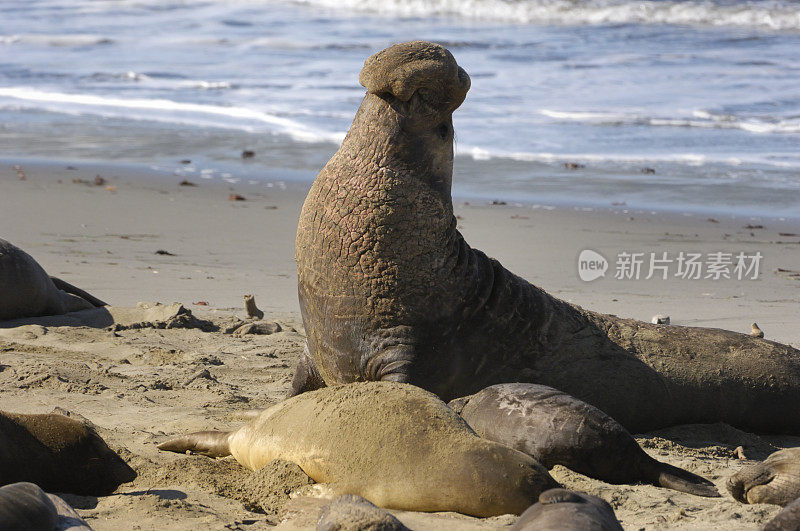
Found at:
<point>141,383</point>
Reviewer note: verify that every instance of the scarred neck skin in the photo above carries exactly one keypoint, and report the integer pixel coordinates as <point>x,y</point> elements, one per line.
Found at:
<point>377,227</point>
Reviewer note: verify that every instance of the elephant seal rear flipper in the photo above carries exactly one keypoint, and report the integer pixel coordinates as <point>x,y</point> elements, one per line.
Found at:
<point>73,290</point>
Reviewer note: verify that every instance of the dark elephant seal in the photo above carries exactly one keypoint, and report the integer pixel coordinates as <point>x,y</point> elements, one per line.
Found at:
<point>396,445</point>
<point>786,520</point>
<point>389,289</point>
<point>776,480</point>
<point>564,510</point>
<point>557,429</point>
<point>353,513</point>
<point>26,507</point>
<point>60,454</point>
<point>27,291</point>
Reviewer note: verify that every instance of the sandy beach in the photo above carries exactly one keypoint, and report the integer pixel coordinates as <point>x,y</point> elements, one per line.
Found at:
<point>141,236</point>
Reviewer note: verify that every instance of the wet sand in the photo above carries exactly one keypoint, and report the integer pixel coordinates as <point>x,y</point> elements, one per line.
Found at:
<point>140,384</point>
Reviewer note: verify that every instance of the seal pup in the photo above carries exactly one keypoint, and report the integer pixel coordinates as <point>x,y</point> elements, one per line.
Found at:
<point>564,510</point>
<point>390,290</point>
<point>775,480</point>
<point>60,454</point>
<point>396,445</point>
<point>786,520</point>
<point>557,429</point>
<point>26,507</point>
<point>27,291</point>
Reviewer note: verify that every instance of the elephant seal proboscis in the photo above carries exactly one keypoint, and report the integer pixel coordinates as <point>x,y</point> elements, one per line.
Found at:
<point>775,480</point>
<point>396,445</point>
<point>60,454</point>
<point>390,290</point>
<point>564,510</point>
<point>26,290</point>
<point>26,507</point>
<point>353,513</point>
<point>786,520</point>
<point>557,429</point>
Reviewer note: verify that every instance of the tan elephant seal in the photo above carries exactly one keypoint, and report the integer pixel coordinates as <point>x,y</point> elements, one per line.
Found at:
<point>26,290</point>
<point>557,429</point>
<point>776,480</point>
<point>390,290</point>
<point>564,510</point>
<point>26,507</point>
<point>394,444</point>
<point>60,454</point>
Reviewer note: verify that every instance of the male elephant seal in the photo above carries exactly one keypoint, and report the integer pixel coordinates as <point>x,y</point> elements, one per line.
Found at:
<point>27,291</point>
<point>394,444</point>
<point>776,480</point>
<point>26,507</point>
<point>389,289</point>
<point>557,429</point>
<point>60,454</point>
<point>786,520</point>
<point>563,510</point>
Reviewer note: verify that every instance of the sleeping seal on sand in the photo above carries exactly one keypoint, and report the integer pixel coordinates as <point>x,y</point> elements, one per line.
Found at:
<point>564,510</point>
<point>390,290</point>
<point>557,429</point>
<point>776,480</point>
<point>394,444</point>
<point>26,507</point>
<point>60,454</point>
<point>27,291</point>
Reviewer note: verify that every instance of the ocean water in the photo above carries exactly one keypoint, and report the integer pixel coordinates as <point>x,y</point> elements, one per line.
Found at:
<point>686,105</point>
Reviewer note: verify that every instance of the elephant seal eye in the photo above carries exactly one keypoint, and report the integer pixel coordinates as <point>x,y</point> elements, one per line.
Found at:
<point>443,131</point>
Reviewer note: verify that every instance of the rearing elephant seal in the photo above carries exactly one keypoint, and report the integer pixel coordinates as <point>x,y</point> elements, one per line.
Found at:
<point>776,480</point>
<point>389,289</point>
<point>396,445</point>
<point>557,429</point>
<point>27,291</point>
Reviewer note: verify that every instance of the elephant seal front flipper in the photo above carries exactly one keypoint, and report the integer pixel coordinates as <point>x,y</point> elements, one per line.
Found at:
<point>557,429</point>
<point>208,443</point>
<point>776,480</point>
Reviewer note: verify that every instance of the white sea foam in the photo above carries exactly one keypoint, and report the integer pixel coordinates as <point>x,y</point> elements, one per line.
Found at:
<point>163,110</point>
<point>775,15</point>
<point>703,119</point>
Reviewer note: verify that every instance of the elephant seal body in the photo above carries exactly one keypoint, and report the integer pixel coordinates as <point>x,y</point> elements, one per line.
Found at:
<point>389,290</point>
<point>396,445</point>
<point>557,429</point>
<point>786,520</point>
<point>563,510</point>
<point>26,290</point>
<point>776,480</point>
<point>60,454</point>
<point>26,507</point>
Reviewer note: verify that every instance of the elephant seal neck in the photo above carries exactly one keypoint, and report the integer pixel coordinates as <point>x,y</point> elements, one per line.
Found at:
<point>377,226</point>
